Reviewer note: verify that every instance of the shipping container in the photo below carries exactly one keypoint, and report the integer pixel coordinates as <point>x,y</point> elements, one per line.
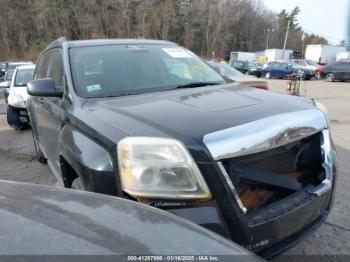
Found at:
<point>242,56</point>
<point>277,54</point>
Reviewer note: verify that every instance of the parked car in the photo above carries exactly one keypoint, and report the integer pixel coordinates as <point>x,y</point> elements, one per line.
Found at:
<point>234,75</point>
<point>17,115</point>
<point>44,221</point>
<point>319,71</point>
<point>150,121</point>
<point>277,70</point>
<point>247,68</point>
<point>282,69</point>
<point>337,71</point>
<point>306,63</point>
<point>8,69</point>
<point>5,85</point>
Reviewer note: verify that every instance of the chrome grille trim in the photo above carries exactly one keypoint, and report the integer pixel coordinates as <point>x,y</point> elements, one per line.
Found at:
<point>264,134</point>
<point>326,148</point>
<point>232,187</point>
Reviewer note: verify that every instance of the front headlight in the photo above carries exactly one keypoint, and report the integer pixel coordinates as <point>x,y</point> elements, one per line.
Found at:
<point>159,168</point>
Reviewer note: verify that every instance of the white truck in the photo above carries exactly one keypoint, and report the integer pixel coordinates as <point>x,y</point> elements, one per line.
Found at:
<point>323,54</point>
<point>242,56</point>
<point>277,54</point>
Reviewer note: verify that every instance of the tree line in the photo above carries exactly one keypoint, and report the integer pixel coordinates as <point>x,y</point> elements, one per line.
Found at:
<point>204,26</point>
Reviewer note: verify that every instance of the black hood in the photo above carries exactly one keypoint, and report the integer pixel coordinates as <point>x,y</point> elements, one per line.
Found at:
<point>41,220</point>
<point>189,114</point>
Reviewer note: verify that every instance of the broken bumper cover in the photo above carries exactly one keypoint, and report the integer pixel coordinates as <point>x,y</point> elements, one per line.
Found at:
<point>266,236</point>
<point>278,226</point>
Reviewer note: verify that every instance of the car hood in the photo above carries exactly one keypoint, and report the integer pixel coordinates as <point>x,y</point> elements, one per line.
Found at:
<point>190,114</point>
<point>21,91</point>
<point>42,220</point>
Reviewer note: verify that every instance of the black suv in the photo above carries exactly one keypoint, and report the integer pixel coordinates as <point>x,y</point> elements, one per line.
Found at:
<point>337,71</point>
<point>150,121</point>
<point>248,68</point>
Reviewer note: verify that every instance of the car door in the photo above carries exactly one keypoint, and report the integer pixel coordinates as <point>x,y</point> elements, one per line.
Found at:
<point>35,107</point>
<point>339,71</point>
<point>275,69</point>
<point>52,109</point>
<point>347,71</point>
<point>238,66</point>
<point>343,71</point>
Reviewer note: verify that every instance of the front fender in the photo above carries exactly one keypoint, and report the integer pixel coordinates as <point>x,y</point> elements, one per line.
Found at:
<point>85,150</point>
<point>91,161</point>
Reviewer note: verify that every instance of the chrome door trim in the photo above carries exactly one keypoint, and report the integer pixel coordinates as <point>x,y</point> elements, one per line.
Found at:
<point>264,134</point>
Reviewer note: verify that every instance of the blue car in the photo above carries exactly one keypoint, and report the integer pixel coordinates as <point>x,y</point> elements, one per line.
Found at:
<point>284,69</point>
<point>277,70</point>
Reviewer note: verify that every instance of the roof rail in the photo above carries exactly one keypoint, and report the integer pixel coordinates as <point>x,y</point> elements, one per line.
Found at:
<point>57,42</point>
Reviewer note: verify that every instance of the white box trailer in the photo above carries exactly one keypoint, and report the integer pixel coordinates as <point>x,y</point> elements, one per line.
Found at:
<point>343,56</point>
<point>277,54</point>
<point>323,54</point>
<point>242,56</point>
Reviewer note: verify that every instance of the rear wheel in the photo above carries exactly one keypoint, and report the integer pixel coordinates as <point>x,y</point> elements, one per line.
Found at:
<point>330,77</point>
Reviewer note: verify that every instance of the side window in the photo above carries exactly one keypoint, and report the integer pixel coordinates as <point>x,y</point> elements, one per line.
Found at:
<point>56,68</point>
<point>43,64</point>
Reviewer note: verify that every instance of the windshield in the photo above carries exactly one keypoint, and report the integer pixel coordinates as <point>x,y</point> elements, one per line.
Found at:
<point>23,76</point>
<point>9,75</point>
<point>227,71</point>
<point>114,70</point>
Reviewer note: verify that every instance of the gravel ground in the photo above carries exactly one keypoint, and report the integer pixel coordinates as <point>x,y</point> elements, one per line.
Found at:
<point>17,161</point>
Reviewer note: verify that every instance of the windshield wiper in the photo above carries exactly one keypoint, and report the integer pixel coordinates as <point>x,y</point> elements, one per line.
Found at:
<point>198,84</point>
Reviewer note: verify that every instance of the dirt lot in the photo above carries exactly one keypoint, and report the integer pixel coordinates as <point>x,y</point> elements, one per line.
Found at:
<point>18,163</point>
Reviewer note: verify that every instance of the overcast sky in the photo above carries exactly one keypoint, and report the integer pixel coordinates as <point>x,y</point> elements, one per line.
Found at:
<point>327,18</point>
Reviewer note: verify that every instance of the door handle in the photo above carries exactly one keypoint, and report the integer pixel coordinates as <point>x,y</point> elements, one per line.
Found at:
<point>41,101</point>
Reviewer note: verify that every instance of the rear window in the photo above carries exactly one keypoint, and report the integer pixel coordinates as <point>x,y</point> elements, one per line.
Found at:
<point>9,75</point>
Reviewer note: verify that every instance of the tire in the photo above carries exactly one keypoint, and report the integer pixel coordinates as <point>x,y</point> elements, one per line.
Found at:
<point>268,75</point>
<point>78,184</point>
<point>13,118</point>
<point>330,77</point>
<point>39,154</point>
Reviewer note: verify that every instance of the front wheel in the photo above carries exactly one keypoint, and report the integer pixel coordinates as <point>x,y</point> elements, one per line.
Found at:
<point>78,184</point>
<point>39,154</point>
<point>14,118</point>
<point>330,77</point>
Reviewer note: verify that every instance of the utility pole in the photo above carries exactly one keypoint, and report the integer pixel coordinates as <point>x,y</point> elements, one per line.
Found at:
<point>285,40</point>
<point>268,37</point>
<point>303,45</point>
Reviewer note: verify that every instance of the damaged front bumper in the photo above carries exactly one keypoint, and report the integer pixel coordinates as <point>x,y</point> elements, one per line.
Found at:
<point>273,227</point>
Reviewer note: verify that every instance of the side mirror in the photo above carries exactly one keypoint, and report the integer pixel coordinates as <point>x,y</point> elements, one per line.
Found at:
<point>44,87</point>
<point>5,84</point>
